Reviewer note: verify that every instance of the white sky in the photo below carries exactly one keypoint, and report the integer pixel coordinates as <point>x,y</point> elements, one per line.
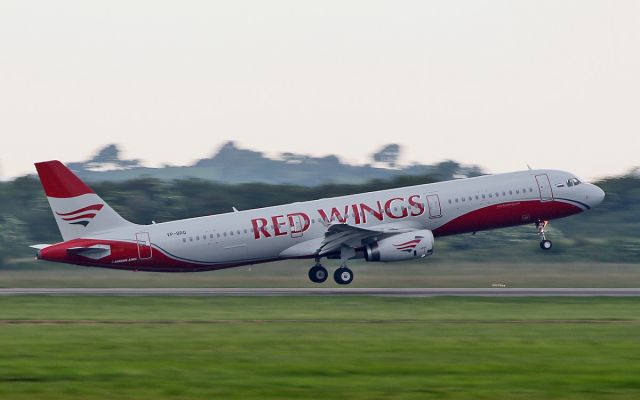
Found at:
<point>555,84</point>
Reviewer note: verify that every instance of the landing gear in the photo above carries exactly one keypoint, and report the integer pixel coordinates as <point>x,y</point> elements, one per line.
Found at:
<point>343,275</point>
<point>318,273</point>
<point>544,243</point>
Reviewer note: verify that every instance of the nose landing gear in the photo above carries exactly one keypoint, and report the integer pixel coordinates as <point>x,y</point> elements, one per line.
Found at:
<point>544,243</point>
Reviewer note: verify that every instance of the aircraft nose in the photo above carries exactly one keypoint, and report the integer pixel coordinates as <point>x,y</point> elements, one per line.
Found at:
<point>595,195</point>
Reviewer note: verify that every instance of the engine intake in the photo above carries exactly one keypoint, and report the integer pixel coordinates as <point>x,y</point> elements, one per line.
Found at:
<point>405,246</point>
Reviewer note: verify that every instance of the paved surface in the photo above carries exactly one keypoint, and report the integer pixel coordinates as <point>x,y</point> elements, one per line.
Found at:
<point>393,292</point>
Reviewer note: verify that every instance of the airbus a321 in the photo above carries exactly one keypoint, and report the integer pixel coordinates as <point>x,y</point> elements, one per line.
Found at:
<point>383,226</point>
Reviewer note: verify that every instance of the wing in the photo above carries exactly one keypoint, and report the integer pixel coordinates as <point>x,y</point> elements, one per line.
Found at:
<point>339,235</point>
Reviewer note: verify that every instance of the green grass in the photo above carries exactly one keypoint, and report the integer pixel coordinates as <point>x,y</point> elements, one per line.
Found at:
<point>319,347</point>
<point>430,272</point>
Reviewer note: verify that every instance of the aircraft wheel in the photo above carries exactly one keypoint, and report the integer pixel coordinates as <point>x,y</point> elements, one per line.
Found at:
<point>318,274</point>
<point>343,276</point>
<point>546,244</point>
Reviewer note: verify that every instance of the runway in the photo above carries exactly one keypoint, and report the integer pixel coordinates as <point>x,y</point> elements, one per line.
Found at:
<point>386,292</point>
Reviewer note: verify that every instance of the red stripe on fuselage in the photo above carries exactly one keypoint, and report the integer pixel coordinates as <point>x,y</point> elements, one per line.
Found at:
<point>507,214</point>
<point>124,255</point>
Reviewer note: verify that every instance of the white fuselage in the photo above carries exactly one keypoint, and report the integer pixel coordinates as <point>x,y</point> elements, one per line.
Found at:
<point>296,230</point>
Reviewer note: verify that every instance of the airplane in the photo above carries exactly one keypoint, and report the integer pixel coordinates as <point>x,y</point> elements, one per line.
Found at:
<point>382,226</point>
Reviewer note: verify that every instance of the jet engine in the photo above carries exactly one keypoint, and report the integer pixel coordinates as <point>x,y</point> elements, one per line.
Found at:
<point>405,246</point>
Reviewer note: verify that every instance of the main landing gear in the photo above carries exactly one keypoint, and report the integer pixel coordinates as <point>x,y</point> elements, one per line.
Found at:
<point>343,275</point>
<point>544,243</point>
<point>319,274</point>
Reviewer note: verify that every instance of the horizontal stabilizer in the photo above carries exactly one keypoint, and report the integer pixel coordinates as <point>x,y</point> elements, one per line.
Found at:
<point>94,252</point>
<point>39,246</point>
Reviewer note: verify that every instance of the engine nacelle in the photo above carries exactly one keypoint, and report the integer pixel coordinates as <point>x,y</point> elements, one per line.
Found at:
<point>405,246</point>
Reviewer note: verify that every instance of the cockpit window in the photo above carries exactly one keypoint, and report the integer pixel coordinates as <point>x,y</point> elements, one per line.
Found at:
<point>573,182</point>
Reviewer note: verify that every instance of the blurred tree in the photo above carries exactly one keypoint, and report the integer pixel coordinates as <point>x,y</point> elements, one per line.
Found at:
<point>388,155</point>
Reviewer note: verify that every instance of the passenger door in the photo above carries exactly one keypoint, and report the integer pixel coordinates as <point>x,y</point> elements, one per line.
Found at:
<point>544,185</point>
<point>144,245</point>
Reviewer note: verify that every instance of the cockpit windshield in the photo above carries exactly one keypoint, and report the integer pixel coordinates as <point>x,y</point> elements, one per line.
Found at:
<point>573,182</point>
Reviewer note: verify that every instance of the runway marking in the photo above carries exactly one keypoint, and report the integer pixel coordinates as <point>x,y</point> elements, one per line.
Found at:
<point>385,292</point>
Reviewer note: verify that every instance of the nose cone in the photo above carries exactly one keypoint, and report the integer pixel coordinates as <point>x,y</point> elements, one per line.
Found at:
<point>595,195</point>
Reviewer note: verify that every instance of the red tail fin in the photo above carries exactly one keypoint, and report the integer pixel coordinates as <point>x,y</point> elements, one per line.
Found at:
<point>78,211</point>
<point>58,181</point>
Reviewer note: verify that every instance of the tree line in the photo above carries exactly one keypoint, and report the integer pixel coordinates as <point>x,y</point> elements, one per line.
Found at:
<point>610,232</point>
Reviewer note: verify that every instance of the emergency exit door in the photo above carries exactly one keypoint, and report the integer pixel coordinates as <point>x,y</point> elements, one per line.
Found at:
<point>433,204</point>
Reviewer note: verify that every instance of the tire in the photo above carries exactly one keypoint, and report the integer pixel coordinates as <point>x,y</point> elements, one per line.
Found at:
<point>546,245</point>
<point>343,276</point>
<point>318,274</point>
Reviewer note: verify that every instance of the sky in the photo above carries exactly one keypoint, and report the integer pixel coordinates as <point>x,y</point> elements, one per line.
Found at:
<point>501,84</point>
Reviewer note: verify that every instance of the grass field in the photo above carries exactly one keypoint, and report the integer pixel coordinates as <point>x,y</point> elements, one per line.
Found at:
<point>429,273</point>
<point>319,347</point>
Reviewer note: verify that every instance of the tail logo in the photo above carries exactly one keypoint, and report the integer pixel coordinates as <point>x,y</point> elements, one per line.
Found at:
<point>81,216</point>
<point>408,246</point>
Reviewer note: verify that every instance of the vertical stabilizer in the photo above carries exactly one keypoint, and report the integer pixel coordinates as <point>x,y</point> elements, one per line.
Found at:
<point>78,211</point>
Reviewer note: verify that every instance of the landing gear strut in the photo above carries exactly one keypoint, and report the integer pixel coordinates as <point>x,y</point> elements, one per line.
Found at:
<point>318,273</point>
<point>544,243</point>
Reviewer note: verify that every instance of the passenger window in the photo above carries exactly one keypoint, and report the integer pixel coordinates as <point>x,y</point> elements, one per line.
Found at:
<point>225,234</point>
<point>184,240</point>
